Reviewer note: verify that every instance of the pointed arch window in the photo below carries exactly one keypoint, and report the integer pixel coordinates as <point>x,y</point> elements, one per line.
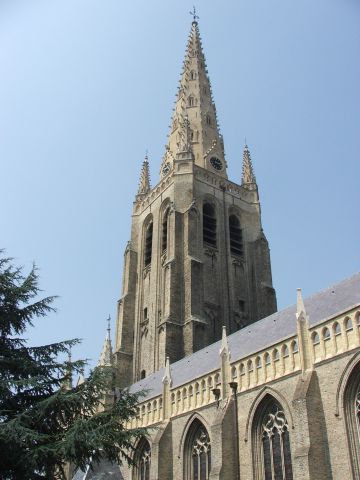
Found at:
<point>209,224</point>
<point>352,418</point>
<point>271,442</point>
<point>236,243</point>
<point>142,461</point>
<point>164,238</point>
<point>191,101</point>
<point>197,453</point>
<point>148,244</point>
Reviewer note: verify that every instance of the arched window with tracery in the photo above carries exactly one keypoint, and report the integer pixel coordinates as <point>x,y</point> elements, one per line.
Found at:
<point>236,243</point>
<point>209,224</point>
<point>148,244</point>
<point>197,453</point>
<point>142,461</point>
<point>352,418</point>
<point>271,442</point>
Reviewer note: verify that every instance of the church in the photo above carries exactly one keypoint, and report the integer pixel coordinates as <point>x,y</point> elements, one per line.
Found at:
<point>234,389</point>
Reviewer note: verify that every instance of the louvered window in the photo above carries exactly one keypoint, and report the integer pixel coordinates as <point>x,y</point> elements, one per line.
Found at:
<point>209,225</point>
<point>148,244</point>
<point>236,243</point>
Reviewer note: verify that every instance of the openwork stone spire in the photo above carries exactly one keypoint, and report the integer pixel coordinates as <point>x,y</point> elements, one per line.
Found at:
<point>144,183</point>
<point>248,176</point>
<point>194,121</point>
<point>106,354</point>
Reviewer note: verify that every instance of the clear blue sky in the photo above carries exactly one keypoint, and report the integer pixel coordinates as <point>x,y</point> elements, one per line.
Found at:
<point>87,86</point>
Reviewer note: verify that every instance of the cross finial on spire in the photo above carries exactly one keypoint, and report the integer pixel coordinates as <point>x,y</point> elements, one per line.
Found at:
<point>108,327</point>
<point>193,13</point>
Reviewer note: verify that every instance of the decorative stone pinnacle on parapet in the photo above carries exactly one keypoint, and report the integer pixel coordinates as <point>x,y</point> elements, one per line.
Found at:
<point>303,326</point>
<point>300,307</point>
<point>144,183</point>
<point>105,359</point>
<point>224,349</point>
<point>167,375</point>
<point>248,176</point>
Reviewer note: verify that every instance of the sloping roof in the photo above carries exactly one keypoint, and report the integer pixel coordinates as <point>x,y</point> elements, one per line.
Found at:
<point>257,336</point>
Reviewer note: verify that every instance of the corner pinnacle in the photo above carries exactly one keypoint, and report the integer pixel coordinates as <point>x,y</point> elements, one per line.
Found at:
<point>248,176</point>
<point>144,183</point>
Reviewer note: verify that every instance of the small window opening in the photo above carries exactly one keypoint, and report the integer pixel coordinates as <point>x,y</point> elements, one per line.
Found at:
<point>209,224</point>
<point>236,245</point>
<point>148,244</point>
<point>326,334</point>
<point>315,338</point>
<point>143,374</point>
<point>191,101</point>
<point>348,324</point>
<point>208,120</point>
<point>242,305</point>
<point>145,313</point>
<point>337,328</point>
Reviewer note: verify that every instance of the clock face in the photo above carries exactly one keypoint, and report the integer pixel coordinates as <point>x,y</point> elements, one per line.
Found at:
<point>216,163</point>
<point>166,168</point>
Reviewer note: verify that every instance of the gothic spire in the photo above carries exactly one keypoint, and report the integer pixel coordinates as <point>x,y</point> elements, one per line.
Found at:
<point>105,359</point>
<point>144,183</point>
<point>194,120</point>
<point>248,176</point>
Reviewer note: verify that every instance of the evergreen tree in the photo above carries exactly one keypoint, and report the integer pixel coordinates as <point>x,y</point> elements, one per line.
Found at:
<point>45,423</point>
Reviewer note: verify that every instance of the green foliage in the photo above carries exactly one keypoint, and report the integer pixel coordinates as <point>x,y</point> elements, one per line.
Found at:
<point>45,423</point>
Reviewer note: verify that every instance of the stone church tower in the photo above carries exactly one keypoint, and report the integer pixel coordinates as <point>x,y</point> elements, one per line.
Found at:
<point>198,258</point>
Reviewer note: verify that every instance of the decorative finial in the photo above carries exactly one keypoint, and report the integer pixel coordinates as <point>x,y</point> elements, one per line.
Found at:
<point>167,374</point>
<point>224,349</point>
<point>108,327</point>
<point>193,13</point>
<point>300,307</point>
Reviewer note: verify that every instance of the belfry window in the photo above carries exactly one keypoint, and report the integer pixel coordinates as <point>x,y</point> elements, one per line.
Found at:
<point>142,461</point>
<point>164,240</point>
<point>148,244</point>
<point>236,244</point>
<point>198,453</point>
<point>209,224</point>
<point>272,442</point>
